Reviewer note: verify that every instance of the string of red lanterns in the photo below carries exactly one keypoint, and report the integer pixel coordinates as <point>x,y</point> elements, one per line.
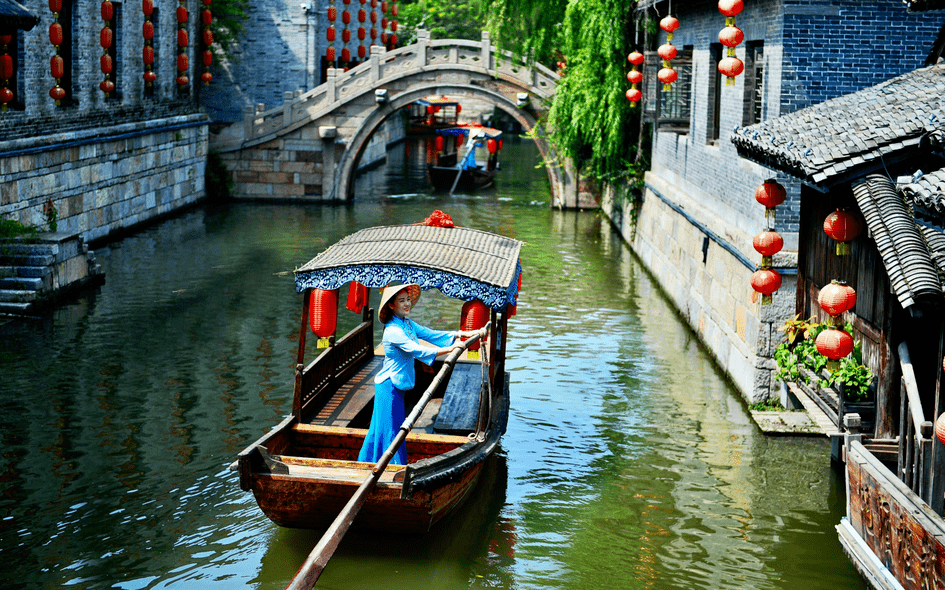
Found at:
<point>345,34</point>
<point>844,227</point>
<point>384,23</point>
<point>393,25</point>
<point>6,71</point>
<point>330,34</point>
<point>107,39</point>
<point>834,342</point>
<point>635,77</point>
<point>182,42</point>
<point>731,36</point>
<point>206,15</point>
<point>667,75</point>
<point>766,280</point>
<point>147,31</point>
<point>56,64</point>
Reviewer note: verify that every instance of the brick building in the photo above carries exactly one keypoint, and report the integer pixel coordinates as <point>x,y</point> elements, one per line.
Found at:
<point>100,162</point>
<point>695,223</point>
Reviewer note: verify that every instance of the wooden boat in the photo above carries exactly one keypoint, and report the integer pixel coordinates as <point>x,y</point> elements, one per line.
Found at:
<point>428,115</point>
<point>304,470</point>
<point>472,175</point>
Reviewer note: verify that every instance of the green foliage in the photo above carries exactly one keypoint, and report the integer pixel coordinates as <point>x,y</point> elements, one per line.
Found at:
<point>528,27</point>
<point>768,405</point>
<point>445,19</point>
<point>229,18</point>
<point>798,350</point>
<point>51,214</point>
<point>10,228</point>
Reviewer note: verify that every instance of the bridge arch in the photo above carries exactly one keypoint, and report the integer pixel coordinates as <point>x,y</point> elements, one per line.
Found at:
<point>309,146</point>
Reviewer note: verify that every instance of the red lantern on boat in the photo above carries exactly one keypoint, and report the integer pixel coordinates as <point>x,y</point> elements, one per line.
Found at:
<point>491,145</point>
<point>844,227</point>
<point>358,297</point>
<point>439,143</point>
<point>835,345</point>
<point>766,281</point>
<point>475,314</point>
<point>837,298</point>
<point>323,313</point>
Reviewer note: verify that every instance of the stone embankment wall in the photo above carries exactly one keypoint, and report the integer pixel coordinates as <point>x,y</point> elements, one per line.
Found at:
<point>104,180</point>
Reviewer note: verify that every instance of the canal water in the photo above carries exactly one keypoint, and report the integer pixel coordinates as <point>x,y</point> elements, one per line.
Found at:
<point>629,461</point>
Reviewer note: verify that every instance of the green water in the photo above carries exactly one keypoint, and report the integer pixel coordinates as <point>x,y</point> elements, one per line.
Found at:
<point>629,461</point>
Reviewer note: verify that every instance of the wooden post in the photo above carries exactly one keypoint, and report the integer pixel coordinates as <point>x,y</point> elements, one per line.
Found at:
<point>300,358</point>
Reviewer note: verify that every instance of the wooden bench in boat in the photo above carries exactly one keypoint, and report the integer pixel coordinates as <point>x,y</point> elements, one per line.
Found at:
<point>460,408</point>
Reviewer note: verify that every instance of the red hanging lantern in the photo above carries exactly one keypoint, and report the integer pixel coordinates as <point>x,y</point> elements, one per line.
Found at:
<point>834,344</point>
<point>57,93</point>
<point>669,24</point>
<point>323,312</point>
<point>940,429</point>
<point>731,7</point>
<point>6,96</point>
<point>107,86</point>
<point>108,11</point>
<point>107,37</point>
<point>635,76</point>
<point>207,2</point>
<point>149,77</point>
<point>358,295</point>
<point>147,30</point>
<point>770,194</point>
<point>148,55</point>
<point>330,54</point>
<point>330,33</point>
<point>475,315</point>
<point>731,36</point>
<point>768,243</point>
<point>361,33</point>
<point>373,34</point>
<point>393,27</point>
<point>206,17</point>
<point>837,298</point>
<point>666,51</point>
<point>55,34</point>
<point>393,9</point>
<point>491,145</point>
<point>384,22</point>
<point>345,17</point>
<point>634,95</point>
<point>55,6</point>
<point>181,14</point>
<point>332,14</point>
<point>667,76</point>
<point>635,58</point>
<point>106,63</point>
<point>182,81</point>
<point>182,38</point>
<point>207,58</point>
<point>57,67</point>
<point>345,55</point>
<point>182,62</point>
<point>384,6</point>
<point>206,77</point>
<point>373,17</point>
<point>766,281</point>
<point>6,67</point>
<point>439,143</point>
<point>731,66</point>
<point>384,38</point>
<point>147,7</point>
<point>843,227</point>
<point>361,52</point>
<point>362,15</point>
<point>345,35</point>
<point>393,38</point>
<point>207,37</point>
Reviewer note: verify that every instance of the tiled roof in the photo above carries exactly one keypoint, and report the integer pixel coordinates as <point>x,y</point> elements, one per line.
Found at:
<point>927,193</point>
<point>912,254</point>
<point>855,134</point>
<point>16,16</point>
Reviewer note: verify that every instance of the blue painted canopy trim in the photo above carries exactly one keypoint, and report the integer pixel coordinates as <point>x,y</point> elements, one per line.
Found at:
<point>380,275</point>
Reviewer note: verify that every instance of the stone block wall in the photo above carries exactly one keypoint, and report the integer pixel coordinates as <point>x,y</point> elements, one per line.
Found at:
<point>104,180</point>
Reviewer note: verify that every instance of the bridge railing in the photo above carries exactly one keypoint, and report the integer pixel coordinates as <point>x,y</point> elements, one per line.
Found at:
<point>385,66</point>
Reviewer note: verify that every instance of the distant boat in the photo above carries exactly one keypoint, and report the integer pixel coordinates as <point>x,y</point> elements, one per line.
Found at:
<point>453,170</point>
<point>304,471</point>
<point>428,115</point>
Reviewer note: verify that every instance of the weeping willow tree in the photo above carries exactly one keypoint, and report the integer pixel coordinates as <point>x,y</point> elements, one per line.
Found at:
<point>590,121</point>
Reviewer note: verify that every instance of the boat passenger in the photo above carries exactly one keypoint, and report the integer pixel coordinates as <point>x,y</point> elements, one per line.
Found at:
<point>401,347</point>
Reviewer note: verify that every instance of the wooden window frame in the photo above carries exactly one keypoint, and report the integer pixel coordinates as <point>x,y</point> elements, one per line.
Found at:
<point>670,111</point>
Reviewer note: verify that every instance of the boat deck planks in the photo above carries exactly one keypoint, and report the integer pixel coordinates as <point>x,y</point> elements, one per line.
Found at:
<point>351,398</point>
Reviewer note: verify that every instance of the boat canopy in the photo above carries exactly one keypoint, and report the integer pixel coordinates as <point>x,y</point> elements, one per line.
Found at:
<point>476,131</point>
<point>461,262</point>
<point>437,101</point>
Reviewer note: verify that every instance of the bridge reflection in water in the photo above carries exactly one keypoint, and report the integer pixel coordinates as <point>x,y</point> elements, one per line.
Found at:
<point>629,462</point>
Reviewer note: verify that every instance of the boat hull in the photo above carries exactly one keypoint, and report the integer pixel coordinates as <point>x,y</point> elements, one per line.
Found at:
<point>470,179</point>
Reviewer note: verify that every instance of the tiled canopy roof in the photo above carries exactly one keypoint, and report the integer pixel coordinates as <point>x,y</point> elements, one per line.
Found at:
<point>14,15</point>
<point>852,135</point>
<point>913,253</point>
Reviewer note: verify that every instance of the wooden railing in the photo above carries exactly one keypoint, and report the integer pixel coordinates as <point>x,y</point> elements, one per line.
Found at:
<point>384,66</point>
<point>915,436</point>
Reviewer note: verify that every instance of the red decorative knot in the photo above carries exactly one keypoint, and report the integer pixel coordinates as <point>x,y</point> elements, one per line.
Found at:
<point>768,243</point>
<point>770,194</point>
<point>634,95</point>
<point>940,429</point>
<point>323,312</point>
<point>636,58</point>
<point>766,281</point>
<point>731,36</point>
<point>666,51</point>
<point>837,298</point>
<point>635,76</point>
<point>834,344</point>
<point>843,227</point>
<point>731,7</point>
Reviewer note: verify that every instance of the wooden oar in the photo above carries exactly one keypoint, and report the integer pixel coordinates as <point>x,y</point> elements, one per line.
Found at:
<point>316,561</point>
<point>459,164</point>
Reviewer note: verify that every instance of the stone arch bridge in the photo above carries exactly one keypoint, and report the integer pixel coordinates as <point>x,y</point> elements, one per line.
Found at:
<point>308,147</point>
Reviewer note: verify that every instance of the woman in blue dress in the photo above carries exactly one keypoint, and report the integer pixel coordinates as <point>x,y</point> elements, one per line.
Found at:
<point>401,347</point>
